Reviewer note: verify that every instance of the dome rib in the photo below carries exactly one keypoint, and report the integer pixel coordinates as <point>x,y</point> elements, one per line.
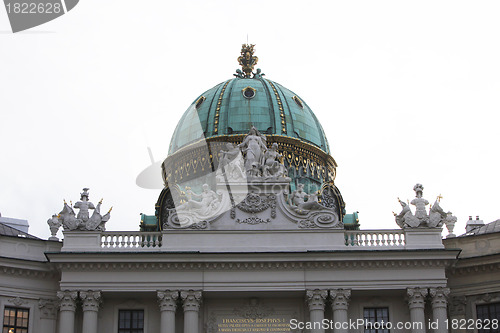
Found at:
<point>235,114</point>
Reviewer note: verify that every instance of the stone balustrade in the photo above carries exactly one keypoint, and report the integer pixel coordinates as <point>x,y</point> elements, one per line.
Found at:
<point>375,238</point>
<point>127,240</point>
<point>264,241</point>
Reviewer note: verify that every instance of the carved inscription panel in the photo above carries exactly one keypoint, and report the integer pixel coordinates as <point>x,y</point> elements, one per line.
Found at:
<point>254,315</point>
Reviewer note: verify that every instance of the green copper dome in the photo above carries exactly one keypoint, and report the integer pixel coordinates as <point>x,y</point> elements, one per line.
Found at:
<point>233,106</point>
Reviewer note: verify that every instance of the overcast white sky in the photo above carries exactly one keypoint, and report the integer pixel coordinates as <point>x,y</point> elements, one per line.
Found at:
<point>407,92</point>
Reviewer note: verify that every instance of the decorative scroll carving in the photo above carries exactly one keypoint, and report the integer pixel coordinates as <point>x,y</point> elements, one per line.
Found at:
<point>253,204</point>
<point>48,308</point>
<point>253,220</point>
<point>211,325</point>
<point>17,301</point>
<point>457,305</point>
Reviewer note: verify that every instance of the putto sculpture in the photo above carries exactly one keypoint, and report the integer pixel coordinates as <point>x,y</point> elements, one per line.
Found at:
<point>81,221</point>
<point>421,219</point>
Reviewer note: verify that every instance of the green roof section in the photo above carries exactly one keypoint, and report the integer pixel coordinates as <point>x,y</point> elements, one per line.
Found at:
<point>225,110</point>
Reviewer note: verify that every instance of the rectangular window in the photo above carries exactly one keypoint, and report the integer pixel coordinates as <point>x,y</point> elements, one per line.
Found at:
<point>486,313</point>
<point>131,321</point>
<point>15,320</point>
<point>376,320</point>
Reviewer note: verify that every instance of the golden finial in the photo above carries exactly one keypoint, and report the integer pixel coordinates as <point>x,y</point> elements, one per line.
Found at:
<point>101,201</point>
<point>65,201</point>
<point>109,211</point>
<point>247,60</point>
<point>439,197</point>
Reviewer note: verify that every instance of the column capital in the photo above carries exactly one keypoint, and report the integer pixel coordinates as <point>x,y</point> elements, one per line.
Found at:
<point>340,298</point>
<point>191,300</point>
<point>67,300</point>
<point>91,300</point>
<point>416,297</point>
<point>48,308</point>
<point>167,300</point>
<point>316,299</point>
<point>439,297</point>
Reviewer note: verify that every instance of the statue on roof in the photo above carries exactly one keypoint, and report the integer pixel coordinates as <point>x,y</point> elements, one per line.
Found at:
<point>421,219</point>
<point>81,221</point>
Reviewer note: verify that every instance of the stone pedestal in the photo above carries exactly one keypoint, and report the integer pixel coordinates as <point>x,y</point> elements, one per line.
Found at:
<point>91,301</point>
<point>416,303</point>
<point>191,301</point>
<point>340,303</point>
<point>316,302</point>
<point>167,300</point>
<point>67,307</point>
<point>48,314</point>
<point>439,307</point>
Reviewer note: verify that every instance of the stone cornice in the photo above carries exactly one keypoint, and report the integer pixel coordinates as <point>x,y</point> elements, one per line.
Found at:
<point>33,272</point>
<point>249,265</point>
<point>474,268</point>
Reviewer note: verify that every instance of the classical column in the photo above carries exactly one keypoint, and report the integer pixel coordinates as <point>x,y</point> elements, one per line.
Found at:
<point>416,303</point>
<point>67,307</point>
<point>48,314</point>
<point>90,305</point>
<point>316,301</point>
<point>168,304</point>
<point>340,303</point>
<point>191,301</point>
<point>439,306</point>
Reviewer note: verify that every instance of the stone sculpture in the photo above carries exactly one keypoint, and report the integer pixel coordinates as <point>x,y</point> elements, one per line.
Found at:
<point>205,207</point>
<point>254,145</point>
<point>231,164</point>
<point>421,219</point>
<point>271,166</point>
<point>260,162</point>
<point>70,221</point>
<point>54,225</point>
<point>195,213</point>
<point>302,203</point>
